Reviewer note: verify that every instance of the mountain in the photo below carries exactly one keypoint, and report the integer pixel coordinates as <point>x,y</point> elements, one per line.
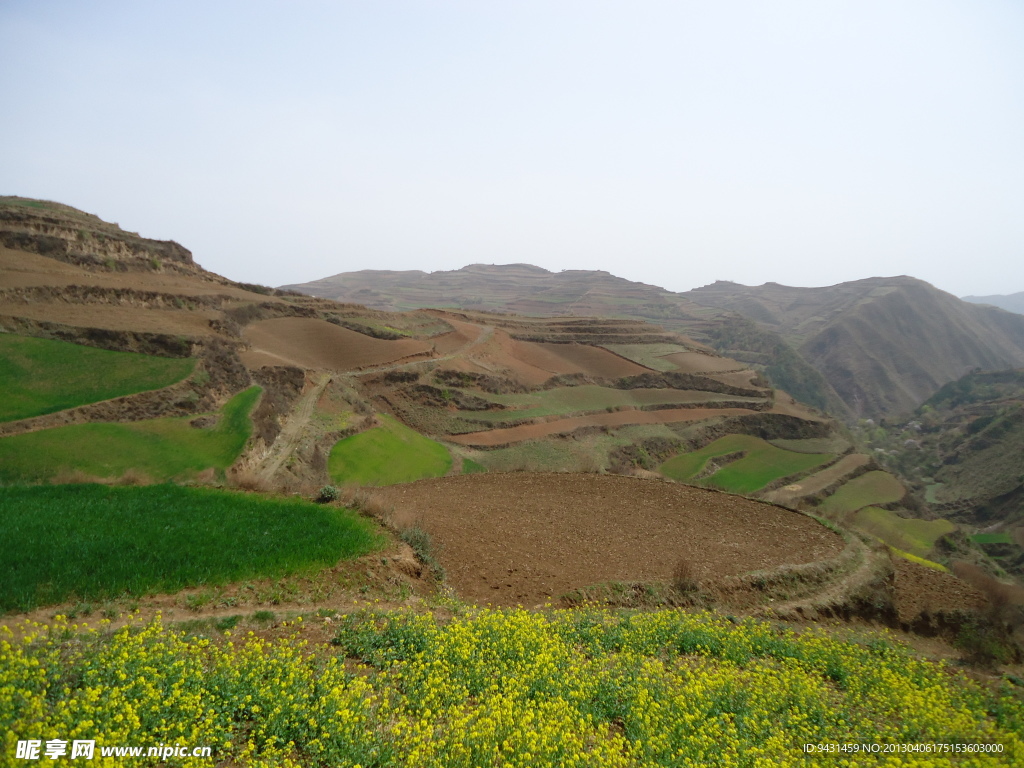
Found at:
<point>530,290</point>
<point>871,348</point>
<point>1013,302</point>
<point>884,344</point>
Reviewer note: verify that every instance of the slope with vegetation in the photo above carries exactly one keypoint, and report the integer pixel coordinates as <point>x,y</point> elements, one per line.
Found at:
<point>158,448</point>
<point>884,344</point>
<point>962,450</point>
<point>40,376</point>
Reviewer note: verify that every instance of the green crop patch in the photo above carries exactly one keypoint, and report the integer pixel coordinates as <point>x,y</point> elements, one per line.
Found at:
<point>872,488</point>
<point>565,401</point>
<point>388,454</point>
<point>40,376</point>
<point>761,463</point>
<point>992,538</point>
<point>92,542</point>
<point>470,467</point>
<point>910,534</point>
<point>160,448</point>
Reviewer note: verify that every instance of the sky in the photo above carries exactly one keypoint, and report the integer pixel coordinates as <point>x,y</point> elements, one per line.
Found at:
<point>675,143</point>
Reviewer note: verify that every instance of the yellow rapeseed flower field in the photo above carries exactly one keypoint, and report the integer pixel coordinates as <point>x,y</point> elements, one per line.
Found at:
<point>588,687</point>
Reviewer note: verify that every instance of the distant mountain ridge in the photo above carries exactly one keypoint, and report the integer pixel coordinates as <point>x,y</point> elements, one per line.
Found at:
<point>869,348</point>
<point>884,344</point>
<point>1013,302</point>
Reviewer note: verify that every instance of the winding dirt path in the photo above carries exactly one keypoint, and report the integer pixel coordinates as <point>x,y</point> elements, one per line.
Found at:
<point>486,332</point>
<point>288,440</point>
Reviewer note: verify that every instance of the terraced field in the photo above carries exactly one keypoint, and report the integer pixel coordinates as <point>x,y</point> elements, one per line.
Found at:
<point>875,487</point>
<point>563,401</point>
<point>318,344</point>
<point>653,356</point>
<point>564,426</point>
<point>760,464</point>
<point>39,376</point>
<point>159,448</point>
<point>911,535</point>
<point>819,481</point>
<point>390,453</point>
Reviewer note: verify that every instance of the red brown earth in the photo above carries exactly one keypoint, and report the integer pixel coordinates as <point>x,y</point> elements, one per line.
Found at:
<point>525,538</point>
<point>316,344</point>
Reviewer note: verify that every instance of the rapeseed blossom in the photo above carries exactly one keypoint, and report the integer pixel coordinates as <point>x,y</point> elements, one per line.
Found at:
<point>587,687</point>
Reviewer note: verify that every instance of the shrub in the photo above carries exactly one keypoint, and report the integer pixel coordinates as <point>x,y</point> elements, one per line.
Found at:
<point>327,494</point>
<point>421,544</point>
<point>684,576</point>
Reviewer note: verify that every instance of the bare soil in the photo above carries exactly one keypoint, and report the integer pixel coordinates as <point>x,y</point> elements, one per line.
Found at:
<point>145,320</point>
<point>526,538</point>
<point>594,361</point>
<point>922,590</point>
<point>317,344</point>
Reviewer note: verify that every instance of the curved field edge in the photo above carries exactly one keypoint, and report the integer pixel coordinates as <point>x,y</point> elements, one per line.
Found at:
<point>96,542</point>
<point>160,448</point>
<point>388,454</point>
<point>875,487</point>
<point>760,464</point>
<point>567,688</point>
<point>912,535</point>
<point>40,376</point>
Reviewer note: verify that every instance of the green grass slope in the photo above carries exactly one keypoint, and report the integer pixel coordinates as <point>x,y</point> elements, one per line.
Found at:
<point>40,376</point>
<point>161,448</point>
<point>872,488</point>
<point>388,454</point>
<point>93,542</point>
<point>761,463</point>
<point>912,535</point>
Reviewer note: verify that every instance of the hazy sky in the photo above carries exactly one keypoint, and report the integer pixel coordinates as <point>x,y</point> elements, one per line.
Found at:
<point>670,142</point>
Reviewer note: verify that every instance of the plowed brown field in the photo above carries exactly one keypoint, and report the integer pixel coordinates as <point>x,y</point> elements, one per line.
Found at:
<point>463,334</point>
<point>564,426</point>
<point>523,538</point>
<point>115,318</point>
<point>590,360</point>
<point>317,344</point>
